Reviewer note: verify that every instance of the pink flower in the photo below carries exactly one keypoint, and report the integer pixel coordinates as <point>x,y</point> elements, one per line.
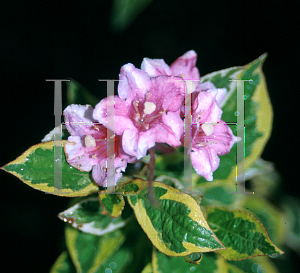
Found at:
<point>211,136</point>
<point>86,147</point>
<point>185,67</point>
<point>145,112</point>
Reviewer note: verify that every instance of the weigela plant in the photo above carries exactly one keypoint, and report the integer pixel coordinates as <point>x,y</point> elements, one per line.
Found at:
<point>160,226</point>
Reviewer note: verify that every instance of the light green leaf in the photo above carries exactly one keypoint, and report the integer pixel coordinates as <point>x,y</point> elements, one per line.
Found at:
<point>63,264</point>
<point>260,167</point>
<point>267,184</point>
<point>258,114</point>
<point>118,262</point>
<point>270,216</point>
<point>233,269</point>
<point>35,167</point>
<point>177,227</point>
<point>255,264</point>
<point>148,268</point>
<point>241,233</point>
<point>77,94</point>
<point>210,263</point>
<point>90,252</point>
<point>87,216</point>
<point>112,204</point>
<point>125,11</point>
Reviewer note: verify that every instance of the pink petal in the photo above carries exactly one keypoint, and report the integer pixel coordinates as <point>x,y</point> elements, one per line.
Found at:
<point>206,86</point>
<point>207,107</point>
<point>79,120</point>
<point>205,162</point>
<point>145,142</point>
<point>121,115</point>
<point>219,93</point>
<point>167,92</point>
<point>130,141</point>
<point>99,175</point>
<point>186,66</point>
<point>76,154</point>
<point>155,67</point>
<point>134,83</point>
<point>224,137</point>
<point>174,125</point>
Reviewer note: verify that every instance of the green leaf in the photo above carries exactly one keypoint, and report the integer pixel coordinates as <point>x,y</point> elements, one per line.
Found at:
<point>210,263</point>
<point>260,167</point>
<point>77,94</point>
<point>270,216</point>
<point>267,184</point>
<point>177,227</point>
<point>194,258</point>
<point>35,167</point>
<point>291,208</point>
<point>176,183</point>
<point>217,194</point>
<point>118,262</point>
<point>241,233</point>
<point>63,264</point>
<point>87,216</point>
<point>233,269</point>
<point>133,187</point>
<point>171,181</point>
<point>258,114</point>
<point>125,11</point>
<point>148,268</point>
<point>112,204</point>
<point>256,264</point>
<point>90,252</point>
<point>170,164</point>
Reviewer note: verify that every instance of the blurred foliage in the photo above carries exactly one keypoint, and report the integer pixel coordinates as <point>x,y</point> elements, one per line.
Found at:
<point>125,11</point>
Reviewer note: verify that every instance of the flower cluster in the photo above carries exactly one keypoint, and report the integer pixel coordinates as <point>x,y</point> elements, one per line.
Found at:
<point>148,110</point>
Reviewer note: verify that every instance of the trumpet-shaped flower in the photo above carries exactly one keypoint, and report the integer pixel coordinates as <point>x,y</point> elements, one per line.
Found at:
<point>86,147</point>
<point>146,110</point>
<point>211,136</point>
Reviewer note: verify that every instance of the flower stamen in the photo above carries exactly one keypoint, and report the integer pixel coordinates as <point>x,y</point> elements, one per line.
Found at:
<point>135,106</point>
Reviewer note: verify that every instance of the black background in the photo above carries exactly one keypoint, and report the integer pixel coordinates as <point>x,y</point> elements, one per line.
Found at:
<point>65,39</point>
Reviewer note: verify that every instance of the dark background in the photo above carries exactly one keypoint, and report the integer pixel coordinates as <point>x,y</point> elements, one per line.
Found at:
<point>64,39</point>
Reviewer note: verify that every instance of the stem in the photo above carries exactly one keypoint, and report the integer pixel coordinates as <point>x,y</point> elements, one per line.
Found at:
<point>152,199</point>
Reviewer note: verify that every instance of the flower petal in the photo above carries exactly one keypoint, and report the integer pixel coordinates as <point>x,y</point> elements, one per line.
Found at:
<point>174,129</point>
<point>121,115</point>
<point>155,67</point>
<point>79,120</point>
<point>130,141</point>
<point>223,137</point>
<point>145,142</point>
<point>205,161</point>
<point>207,108</point>
<point>167,92</point>
<point>186,66</point>
<point>134,83</point>
<point>76,154</point>
<point>99,175</point>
